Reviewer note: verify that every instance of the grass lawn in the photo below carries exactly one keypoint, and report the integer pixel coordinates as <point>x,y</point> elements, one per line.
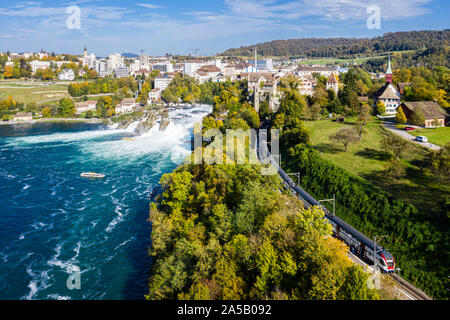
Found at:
<point>33,94</point>
<point>438,136</point>
<point>367,159</point>
<point>332,61</point>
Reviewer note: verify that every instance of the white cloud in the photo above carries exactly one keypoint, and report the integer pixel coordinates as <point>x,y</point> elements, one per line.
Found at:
<point>149,6</point>
<point>328,9</point>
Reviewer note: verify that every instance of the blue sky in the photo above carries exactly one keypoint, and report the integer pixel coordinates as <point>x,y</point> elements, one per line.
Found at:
<point>176,26</point>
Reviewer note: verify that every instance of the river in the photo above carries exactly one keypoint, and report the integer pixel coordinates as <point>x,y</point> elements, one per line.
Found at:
<point>55,225</point>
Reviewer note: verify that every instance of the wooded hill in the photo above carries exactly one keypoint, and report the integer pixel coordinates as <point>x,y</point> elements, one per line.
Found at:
<point>346,47</point>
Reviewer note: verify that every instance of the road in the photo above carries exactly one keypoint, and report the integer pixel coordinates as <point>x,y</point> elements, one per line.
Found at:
<point>405,135</point>
<point>408,291</point>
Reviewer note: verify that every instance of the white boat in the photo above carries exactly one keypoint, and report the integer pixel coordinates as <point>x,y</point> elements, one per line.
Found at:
<point>92,175</point>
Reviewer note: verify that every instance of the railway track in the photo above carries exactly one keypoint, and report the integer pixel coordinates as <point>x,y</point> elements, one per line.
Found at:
<point>417,294</point>
<point>408,289</point>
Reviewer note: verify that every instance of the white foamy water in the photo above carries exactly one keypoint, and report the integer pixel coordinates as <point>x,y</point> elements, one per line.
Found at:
<point>174,140</point>
<point>66,223</point>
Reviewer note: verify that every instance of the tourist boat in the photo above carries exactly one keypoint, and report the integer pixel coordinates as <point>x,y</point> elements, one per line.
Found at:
<point>92,175</point>
<point>128,139</point>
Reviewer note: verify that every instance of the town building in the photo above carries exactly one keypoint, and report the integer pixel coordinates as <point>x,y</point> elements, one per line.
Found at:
<point>307,85</point>
<point>190,67</point>
<point>85,106</point>
<point>23,117</point>
<point>122,71</point>
<point>264,65</point>
<point>333,83</point>
<point>302,71</point>
<point>114,60</point>
<point>144,59</point>
<point>389,95</point>
<point>37,64</point>
<point>163,82</point>
<point>154,95</point>
<point>165,66</point>
<point>388,75</point>
<point>431,110</point>
<point>206,73</point>
<point>66,74</point>
<point>126,106</point>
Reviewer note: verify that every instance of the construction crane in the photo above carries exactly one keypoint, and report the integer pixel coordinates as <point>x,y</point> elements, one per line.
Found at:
<point>196,52</point>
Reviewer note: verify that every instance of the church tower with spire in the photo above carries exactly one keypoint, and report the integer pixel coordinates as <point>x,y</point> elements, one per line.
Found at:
<point>388,74</point>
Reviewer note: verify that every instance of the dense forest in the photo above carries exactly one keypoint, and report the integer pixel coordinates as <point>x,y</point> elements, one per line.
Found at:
<point>189,90</point>
<point>347,47</point>
<point>431,58</point>
<point>225,231</point>
<point>418,242</point>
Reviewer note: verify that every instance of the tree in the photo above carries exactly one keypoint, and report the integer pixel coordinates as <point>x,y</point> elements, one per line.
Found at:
<point>400,116</point>
<point>346,136</point>
<point>365,113</point>
<point>316,110</point>
<point>381,108</point>
<point>48,74</point>
<point>89,114</point>
<point>8,73</point>
<point>417,117</point>
<point>394,145</point>
<point>47,112</point>
<point>395,169</point>
<point>439,162</point>
<point>66,108</point>
<point>279,121</point>
<point>435,123</point>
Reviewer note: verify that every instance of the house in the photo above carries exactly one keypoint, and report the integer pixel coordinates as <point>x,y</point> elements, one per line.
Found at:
<point>85,106</point>
<point>229,70</point>
<point>154,95</point>
<point>333,83</point>
<point>430,109</point>
<point>36,64</point>
<point>206,73</point>
<point>122,71</point>
<point>309,71</point>
<point>363,100</point>
<point>163,82</point>
<point>307,85</point>
<point>402,86</point>
<point>389,95</point>
<point>23,117</point>
<point>66,74</point>
<point>126,106</point>
<point>191,66</point>
<point>256,78</point>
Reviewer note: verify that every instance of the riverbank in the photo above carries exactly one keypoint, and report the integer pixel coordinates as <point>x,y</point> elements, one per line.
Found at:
<point>52,120</point>
<point>59,223</point>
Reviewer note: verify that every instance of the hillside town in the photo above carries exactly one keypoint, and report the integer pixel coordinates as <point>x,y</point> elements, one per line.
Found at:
<point>262,77</point>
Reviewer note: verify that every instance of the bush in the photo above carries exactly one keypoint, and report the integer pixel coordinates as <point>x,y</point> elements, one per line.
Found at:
<point>414,239</point>
<point>89,114</point>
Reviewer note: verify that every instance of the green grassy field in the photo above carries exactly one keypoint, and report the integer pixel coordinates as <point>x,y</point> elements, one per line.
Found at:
<point>367,159</point>
<point>33,93</point>
<point>438,136</point>
<point>333,61</point>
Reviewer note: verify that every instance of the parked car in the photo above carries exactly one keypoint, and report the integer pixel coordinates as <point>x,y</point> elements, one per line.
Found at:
<point>421,139</point>
<point>410,128</point>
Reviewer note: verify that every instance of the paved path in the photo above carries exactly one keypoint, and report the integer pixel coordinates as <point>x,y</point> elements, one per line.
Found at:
<point>405,135</point>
